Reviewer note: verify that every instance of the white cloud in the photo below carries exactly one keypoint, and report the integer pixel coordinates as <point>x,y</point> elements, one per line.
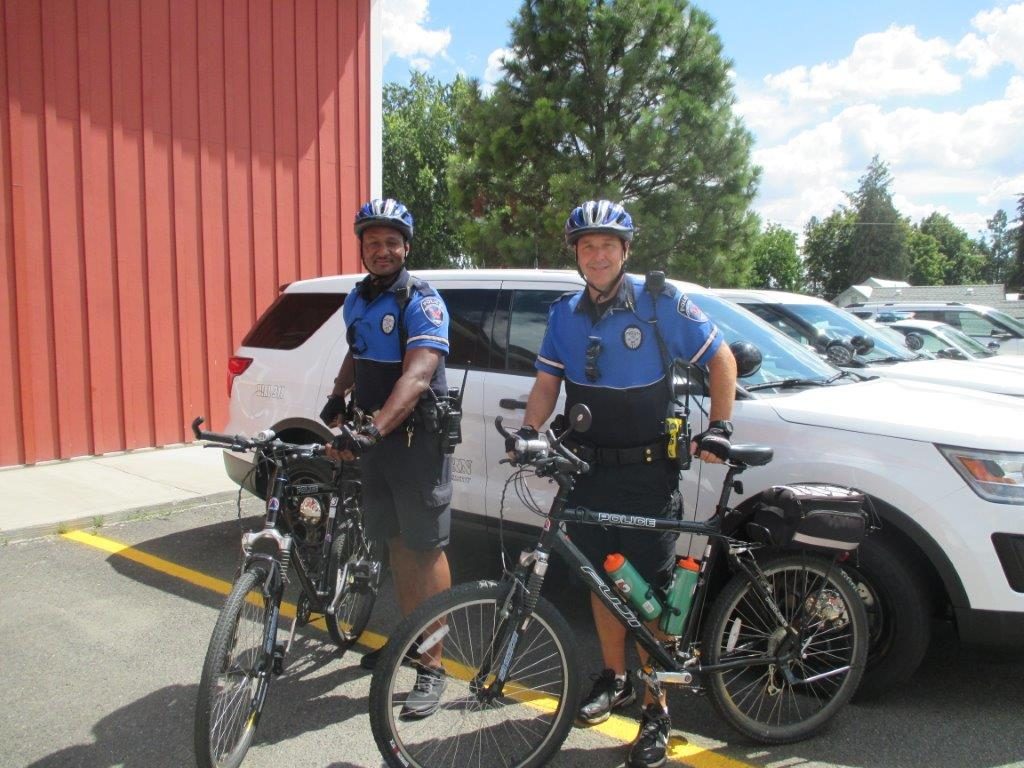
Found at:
<point>817,127</point>
<point>1002,40</point>
<point>405,35</point>
<point>882,64</point>
<point>495,69</point>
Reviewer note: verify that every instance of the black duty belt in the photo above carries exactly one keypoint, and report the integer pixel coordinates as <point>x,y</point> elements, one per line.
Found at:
<point>641,454</point>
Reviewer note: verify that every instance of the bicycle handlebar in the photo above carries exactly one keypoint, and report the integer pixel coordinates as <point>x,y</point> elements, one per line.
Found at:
<point>265,440</point>
<point>543,450</point>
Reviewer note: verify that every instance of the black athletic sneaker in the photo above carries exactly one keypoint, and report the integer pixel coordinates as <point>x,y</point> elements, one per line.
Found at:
<point>650,749</point>
<point>425,696</point>
<point>369,660</point>
<point>607,694</point>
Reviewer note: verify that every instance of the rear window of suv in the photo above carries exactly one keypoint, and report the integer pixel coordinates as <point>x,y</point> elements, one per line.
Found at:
<point>292,319</point>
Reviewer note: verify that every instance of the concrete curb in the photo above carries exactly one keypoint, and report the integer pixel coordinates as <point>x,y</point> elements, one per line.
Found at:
<point>11,536</point>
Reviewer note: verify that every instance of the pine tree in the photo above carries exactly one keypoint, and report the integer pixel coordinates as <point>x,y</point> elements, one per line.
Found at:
<point>625,99</point>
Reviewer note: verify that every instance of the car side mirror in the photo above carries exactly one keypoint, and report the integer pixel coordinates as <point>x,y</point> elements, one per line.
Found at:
<point>748,358</point>
<point>951,353</point>
<point>839,353</point>
<point>914,341</point>
<point>993,345</point>
<point>862,344</point>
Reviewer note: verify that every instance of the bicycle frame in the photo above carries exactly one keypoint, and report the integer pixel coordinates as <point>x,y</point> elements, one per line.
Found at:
<point>533,566</point>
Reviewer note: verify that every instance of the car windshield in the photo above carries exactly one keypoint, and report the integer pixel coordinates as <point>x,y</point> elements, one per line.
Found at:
<point>839,324</point>
<point>783,358</point>
<point>954,337</point>
<point>1010,322</point>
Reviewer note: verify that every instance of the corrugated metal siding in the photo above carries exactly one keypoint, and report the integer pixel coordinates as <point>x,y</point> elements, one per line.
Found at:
<point>165,165</point>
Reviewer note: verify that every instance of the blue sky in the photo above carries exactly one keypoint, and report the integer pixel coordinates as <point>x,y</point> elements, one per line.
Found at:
<point>935,89</point>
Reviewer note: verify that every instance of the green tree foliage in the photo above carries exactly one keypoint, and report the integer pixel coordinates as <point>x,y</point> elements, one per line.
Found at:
<point>997,249</point>
<point>927,263</point>
<point>964,261</point>
<point>828,252</point>
<point>879,240</point>
<point>625,99</point>
<point>419,139</point>
<point>774,262</point>
<point>1016,279</point>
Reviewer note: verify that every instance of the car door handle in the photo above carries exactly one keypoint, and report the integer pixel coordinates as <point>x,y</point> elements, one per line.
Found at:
<point>509,402</point>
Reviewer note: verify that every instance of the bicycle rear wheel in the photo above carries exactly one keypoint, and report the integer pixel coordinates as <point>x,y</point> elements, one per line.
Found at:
<point>358,559</point>
<point>522,727</point>
<point>235,676</point>
<point>820,602</point>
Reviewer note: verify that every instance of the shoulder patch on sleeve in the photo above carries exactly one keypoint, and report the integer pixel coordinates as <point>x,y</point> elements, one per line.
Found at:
<point>688,309</point>
<point>433,310</point>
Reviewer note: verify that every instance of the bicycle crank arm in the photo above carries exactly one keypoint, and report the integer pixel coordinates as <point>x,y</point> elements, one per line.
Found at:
<point>676,678</point>
<point>338,594</point>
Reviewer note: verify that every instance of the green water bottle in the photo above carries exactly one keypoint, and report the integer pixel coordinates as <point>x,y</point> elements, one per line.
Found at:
<point>633,586</point>
<point>680,596</point>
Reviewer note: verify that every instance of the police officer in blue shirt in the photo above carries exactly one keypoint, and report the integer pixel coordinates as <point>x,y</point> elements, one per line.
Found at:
<point>604,344</point>
<point>397,331</point>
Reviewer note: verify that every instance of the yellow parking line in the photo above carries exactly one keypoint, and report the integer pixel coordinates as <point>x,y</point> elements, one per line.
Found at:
<point>619,728</point>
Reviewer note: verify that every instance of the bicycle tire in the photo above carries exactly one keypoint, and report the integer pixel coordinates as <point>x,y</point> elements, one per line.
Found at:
<point>236,674</point>
<point>822,601</point>
<point>348,621</point>
<point>526,725</point>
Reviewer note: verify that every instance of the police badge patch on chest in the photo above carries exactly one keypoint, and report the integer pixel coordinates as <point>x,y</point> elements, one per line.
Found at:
<point>433,309</point>
<point>687,308</point>
<point>387,323</point>
<point>632,337</point>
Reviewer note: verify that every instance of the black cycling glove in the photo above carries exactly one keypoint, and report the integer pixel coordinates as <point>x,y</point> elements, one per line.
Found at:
<point>523,433</point>
<point>715,441</point>
<point>334,409</point>
<point>359,442</point>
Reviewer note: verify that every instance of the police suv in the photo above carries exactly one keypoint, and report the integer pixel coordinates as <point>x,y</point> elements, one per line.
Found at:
<point>942,466</point>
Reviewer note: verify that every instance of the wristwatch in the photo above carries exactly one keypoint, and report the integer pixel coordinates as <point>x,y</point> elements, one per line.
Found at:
<point>725,427</point>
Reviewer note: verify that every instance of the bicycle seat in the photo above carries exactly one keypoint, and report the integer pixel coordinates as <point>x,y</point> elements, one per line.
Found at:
<point>751,455</point>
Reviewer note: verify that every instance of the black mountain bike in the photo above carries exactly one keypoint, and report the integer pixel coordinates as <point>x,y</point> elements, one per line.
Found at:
<point>780,650</point>
<point>313,530</point>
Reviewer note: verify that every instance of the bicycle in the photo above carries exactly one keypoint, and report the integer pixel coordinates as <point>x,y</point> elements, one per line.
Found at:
<point>312,529</point>
<point>781,650</point>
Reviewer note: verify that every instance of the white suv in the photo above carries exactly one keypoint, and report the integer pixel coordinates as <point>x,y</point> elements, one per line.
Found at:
<point>982,323</point>
<point>942,466</point>
<point>825,327</point>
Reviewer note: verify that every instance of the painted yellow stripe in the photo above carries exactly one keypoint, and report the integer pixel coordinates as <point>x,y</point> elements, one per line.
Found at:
<point>619,728</point>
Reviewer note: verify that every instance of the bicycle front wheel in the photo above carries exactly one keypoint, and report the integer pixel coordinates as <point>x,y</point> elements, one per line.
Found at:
<point>235,676</point>
<point>471,723</point>
<point>786,702</point>
<point>358,560</point>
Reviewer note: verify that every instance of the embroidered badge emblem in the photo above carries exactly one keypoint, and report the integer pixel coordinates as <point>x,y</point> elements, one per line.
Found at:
<point>433,310</point>
<point>387,323</point>
<point>688,309</point>
<point>632,337</point>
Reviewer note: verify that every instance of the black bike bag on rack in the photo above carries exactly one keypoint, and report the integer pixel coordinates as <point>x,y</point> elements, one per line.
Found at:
<point>809,516</point>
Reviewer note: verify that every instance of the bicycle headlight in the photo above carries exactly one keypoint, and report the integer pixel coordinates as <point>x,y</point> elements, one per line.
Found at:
<point>994,476</point>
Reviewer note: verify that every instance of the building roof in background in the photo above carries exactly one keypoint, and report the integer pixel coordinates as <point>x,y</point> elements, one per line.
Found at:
<point>992,295</point>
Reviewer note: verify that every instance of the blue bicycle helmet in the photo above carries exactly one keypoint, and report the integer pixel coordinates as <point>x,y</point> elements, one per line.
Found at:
<point>384,212</point>
<point>598,217</point>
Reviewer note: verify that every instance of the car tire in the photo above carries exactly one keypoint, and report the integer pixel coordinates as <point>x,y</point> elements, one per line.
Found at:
<point>899,610</point>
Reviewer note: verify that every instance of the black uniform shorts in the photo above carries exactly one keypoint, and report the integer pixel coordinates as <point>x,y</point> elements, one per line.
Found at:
<point>636,489</point>
<point>407,490</point>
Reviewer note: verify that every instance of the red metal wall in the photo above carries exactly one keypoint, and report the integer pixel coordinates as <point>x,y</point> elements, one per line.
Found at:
<point>165,165</point>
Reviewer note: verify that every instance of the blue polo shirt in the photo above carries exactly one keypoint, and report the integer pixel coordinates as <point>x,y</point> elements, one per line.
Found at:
<point>374,336</point>
<point>612,363</point>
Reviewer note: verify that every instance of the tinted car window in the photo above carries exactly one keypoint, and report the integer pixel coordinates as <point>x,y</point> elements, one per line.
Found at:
<point>974,324</point>
<point>292,319</point>
<point>529,320</point>
<point>469,331</point>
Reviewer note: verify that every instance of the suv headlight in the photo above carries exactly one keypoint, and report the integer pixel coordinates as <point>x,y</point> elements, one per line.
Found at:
<point>992,475</point>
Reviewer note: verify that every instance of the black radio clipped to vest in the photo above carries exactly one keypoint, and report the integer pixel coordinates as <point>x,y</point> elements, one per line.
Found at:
<point>442,415</point>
